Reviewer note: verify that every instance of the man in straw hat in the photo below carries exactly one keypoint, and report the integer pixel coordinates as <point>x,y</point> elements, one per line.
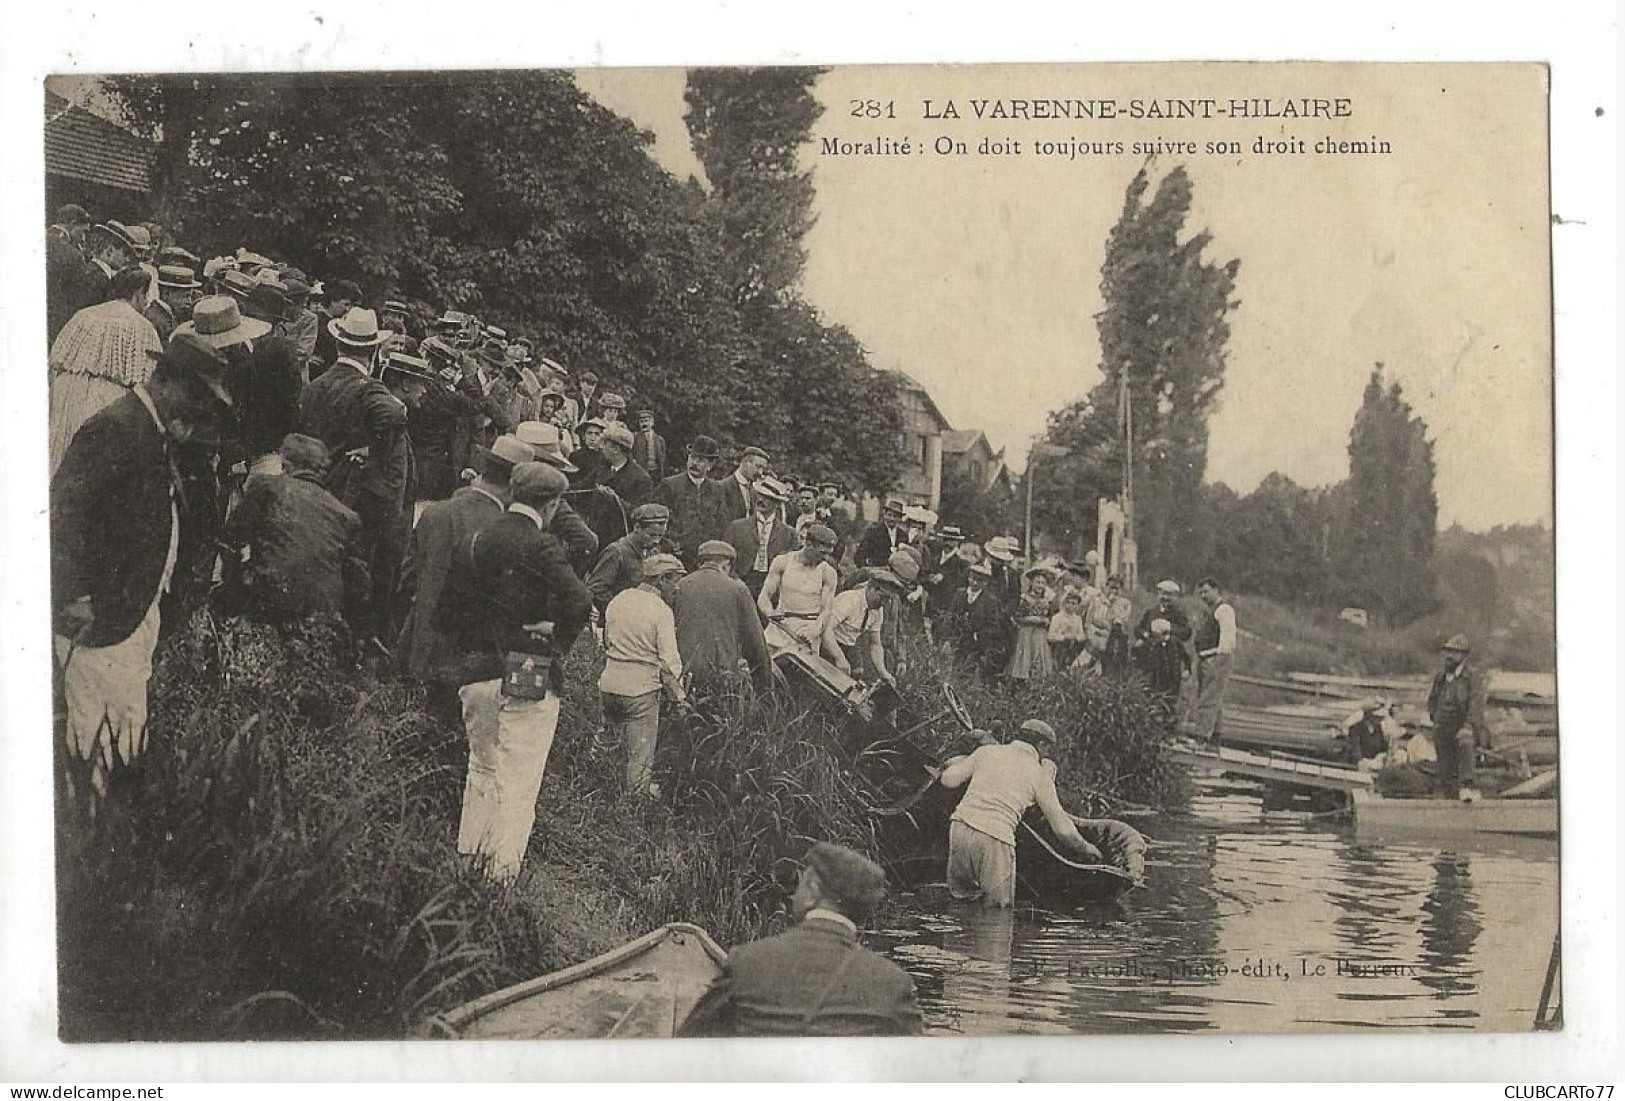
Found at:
<point>642,665</point>
<point>568,527</point>
<point>815,979</point>
<point>363,425</point>
<point>177,291</point>
<point>800,589</point>
<point>856,619</point>
<point>698,504</point>
<point>116,524</point>
<point>1456,706</point>
<point>1001,782</point>
<point>423,649</point>
<point>762,536</point>
<point>515,608</point>
<point>719,634</point>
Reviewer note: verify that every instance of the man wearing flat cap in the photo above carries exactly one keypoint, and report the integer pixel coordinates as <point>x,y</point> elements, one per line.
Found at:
<point>762,536</point>
<point>642,666</point>
<point>515,609</point>
<point>815,979</point>
<point>649,446</point>
<point>753,462</point>
<point>719,634</point>
<point>853,630</point>
<point>698,503</point>
<point>1167,608</point>
<point>620,564</point>
<point>620,473</point>
<point>1001,782</point>
<point>116,529</point>
<point>1456,706</point>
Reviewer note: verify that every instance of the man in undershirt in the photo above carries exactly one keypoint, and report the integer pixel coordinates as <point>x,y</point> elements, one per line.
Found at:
<point>800,588</point>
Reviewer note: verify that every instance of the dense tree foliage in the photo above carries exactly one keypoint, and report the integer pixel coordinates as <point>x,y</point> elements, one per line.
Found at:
<point>516,196</point>
<point>1163,329</point>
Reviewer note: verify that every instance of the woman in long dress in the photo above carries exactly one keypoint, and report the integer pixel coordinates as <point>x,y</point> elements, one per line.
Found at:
<point>102,352</point>
<point>1031,658</point>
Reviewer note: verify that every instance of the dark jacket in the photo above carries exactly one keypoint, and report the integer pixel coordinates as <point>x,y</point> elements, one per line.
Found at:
<point>649,452</point>
<point>718,627</point>
<point>161,317</point>
<point>512,573</point>
<point>741,534</point>
<point>631,484</point>
<point>111,518</point>
<point>619,567</point>
<point>698,512</point>
<point>71,282</point>
<point>982,629</point>
<point>1161,663</point>
<point>304,551</point>
<point>444,529</point>
<point>814,980</point>
<point>1456,702</point>
<point>268,386</point>
<point>348,410</point>
<point>877,545</point>
<point>738,499</point>
<point>580,543</point>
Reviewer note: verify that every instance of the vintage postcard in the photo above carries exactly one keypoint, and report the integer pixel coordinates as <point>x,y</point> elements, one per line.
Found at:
<point>840,551</point>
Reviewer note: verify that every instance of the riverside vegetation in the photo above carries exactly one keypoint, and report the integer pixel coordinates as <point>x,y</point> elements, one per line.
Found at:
<point>281,862</point>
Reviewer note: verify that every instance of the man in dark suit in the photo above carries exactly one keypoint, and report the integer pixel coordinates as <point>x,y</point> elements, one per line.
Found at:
<point>697,504</point>
<point>882,537</point>
<point>69,281</point>
<point>753,463</point>
<point>762,536</point>
<point>177,291</point>
<point>649,446</point>
<point>297,548</point>
<point>978,621</point>
<point>364,428</point>
<point>621,473</point>
<point>815,980</point>
<point>515,608</point>
<point>719,633</point>
<point>423,650</point>
<point>115,531</point>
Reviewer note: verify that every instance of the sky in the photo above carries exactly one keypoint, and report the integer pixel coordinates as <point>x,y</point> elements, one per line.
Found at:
<point>978,274</point>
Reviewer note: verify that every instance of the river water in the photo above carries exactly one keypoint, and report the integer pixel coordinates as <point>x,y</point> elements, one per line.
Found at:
<point>1254,919</point>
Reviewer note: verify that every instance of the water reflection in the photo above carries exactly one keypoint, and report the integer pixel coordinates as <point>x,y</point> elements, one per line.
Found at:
<point>1255,918</point>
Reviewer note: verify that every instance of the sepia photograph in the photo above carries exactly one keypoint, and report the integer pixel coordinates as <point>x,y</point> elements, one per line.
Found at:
<point>802,551</point>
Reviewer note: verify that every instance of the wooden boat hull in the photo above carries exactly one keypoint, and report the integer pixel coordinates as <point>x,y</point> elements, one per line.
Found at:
<point>645,988</point>
<point>1375,814</point>
<point>1047,873</point>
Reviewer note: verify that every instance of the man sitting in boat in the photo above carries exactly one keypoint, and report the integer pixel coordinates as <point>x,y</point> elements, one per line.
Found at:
<point>1004,781</point>
<point>816,979</point>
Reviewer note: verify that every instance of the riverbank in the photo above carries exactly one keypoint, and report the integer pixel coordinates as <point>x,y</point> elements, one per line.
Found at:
<point>281,864</point>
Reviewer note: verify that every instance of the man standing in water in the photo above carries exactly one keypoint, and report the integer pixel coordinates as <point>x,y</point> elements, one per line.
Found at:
<point>1004,781</point>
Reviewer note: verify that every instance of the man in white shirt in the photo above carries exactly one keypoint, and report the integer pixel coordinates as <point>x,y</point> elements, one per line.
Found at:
<point>1215,653</point>
<point>800,589</point>
<point>642,663</point>
<point>856,618</point>
<point>1004,780</point>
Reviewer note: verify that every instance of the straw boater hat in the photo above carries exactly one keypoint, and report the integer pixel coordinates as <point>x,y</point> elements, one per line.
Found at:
<point>358,328</point>
<point>772,489</point>
<point>544,438</point>
<point>1002,547</point>
<point>219,323</point>
<point>177,277</point>
<point>238,282</point>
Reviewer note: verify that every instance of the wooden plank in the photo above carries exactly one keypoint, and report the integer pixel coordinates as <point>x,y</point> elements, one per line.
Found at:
<point>1535,785</point>
<point>1279,769</point>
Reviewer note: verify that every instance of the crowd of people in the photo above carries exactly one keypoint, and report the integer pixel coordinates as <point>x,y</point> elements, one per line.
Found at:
<point>235,434</point>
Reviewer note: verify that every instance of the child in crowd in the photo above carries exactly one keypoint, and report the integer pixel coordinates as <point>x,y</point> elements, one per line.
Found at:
<point>1066,637</point>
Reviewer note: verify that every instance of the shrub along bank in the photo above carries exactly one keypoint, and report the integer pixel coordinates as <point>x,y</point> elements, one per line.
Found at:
<point>281,863</point>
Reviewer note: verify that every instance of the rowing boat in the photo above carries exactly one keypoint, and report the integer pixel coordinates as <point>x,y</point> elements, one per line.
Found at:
<point>643,989</point>
<point>1376,814</point>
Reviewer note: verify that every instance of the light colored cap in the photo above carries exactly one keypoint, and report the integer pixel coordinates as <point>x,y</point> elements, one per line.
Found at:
<point>512,450</point>
<point>1458,643</point>
<point>905,566</point>
<point>772,489</point>
<point>620,435</point>
<point>1169,587</point>
<point>650,513</point>
<point>659,565</point>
